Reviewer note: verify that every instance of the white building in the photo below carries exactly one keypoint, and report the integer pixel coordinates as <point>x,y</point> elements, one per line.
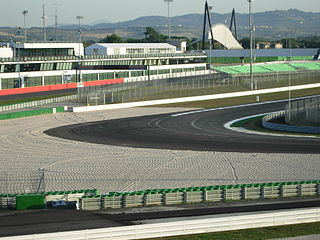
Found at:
<point>129,48</point>
<point>46,49</point>
<point>5,50</point>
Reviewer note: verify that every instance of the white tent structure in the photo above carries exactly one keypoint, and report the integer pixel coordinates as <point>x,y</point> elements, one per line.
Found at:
<point>223,35</point>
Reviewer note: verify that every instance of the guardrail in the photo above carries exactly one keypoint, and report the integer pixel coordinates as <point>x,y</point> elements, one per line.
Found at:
<point>163,197</point>
<point>217,223</point>
<point>286,127</point>
<point>36,103</point>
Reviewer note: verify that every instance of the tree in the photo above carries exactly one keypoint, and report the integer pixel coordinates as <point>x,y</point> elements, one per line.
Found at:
<point>152,36</point>
<point>114,38</point>
<point>245,42</point>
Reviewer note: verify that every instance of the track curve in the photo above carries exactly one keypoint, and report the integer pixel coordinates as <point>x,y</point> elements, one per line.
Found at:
<point>200,131</point>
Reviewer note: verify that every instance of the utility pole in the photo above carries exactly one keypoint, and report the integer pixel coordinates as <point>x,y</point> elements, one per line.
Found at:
<point>169,23</point>
<point>24,13</point>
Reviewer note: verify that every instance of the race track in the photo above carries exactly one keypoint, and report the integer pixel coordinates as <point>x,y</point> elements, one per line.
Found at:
<point>72,164</point>
<point>197,131</point>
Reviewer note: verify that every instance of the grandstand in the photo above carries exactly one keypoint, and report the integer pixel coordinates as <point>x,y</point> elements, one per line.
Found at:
<point>308,66</point>
<point>269,68</point>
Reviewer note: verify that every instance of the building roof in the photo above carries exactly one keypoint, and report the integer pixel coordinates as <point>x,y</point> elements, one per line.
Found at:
<point>131,45</point>
<point>44,45</point>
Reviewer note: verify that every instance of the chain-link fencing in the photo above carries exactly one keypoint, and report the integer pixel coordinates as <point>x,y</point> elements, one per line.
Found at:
<point>22,181</point>
<point>304,112</point>
<point>166,87</point>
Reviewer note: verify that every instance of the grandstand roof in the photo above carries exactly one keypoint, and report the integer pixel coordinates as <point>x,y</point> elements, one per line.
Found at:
<point>132,45</point>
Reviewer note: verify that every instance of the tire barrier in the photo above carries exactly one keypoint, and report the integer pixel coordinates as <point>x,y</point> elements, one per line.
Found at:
<point>8,201</point>
<point>90,200</point>
<point>162,197</point>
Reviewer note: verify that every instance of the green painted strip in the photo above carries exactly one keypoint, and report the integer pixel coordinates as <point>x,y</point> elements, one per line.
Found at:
<point>244,121</point>
<point>5,116</point>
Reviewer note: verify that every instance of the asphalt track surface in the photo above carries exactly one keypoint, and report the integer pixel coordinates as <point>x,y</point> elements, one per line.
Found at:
<point>198,131</point>
<point>14,223</point>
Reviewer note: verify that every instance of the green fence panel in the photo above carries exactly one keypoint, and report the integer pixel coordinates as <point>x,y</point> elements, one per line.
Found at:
<point>12,115</point>
<point>36,201</point>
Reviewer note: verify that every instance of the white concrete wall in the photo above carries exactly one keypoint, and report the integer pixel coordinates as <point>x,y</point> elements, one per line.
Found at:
<point>6,52</point>
<point>215,223</point>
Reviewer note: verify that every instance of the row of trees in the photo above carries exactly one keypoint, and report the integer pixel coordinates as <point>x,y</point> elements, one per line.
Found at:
<point>152,36</point>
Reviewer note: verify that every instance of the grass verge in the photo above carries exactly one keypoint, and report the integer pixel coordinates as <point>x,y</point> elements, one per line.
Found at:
<point>255,233</point>
<point>244,100</point>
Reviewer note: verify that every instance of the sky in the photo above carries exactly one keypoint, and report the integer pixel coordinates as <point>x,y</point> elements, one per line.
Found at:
<point>122,10</point>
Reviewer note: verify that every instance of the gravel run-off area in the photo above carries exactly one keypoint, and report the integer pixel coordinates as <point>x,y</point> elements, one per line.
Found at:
<point>72,165</point>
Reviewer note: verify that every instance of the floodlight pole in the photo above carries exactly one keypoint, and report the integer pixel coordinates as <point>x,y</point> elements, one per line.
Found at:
<point>292,30</point>
<point>253,85</point>
<point>56,23</point>
<point>44,18</point>
<point>80,33</point>
<point>169,23</point>
<point>24,13</point>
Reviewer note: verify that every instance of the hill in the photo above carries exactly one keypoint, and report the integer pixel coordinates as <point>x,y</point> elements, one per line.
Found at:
<point>269,25</point>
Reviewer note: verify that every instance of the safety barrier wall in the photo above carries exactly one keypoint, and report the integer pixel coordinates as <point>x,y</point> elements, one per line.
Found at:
<point>285,127</point>
<point>191,99</point>
<point>36,103</point>
<point>217,223</point>
<point>304,110</point>
<point>5,116</point>
<point>5,92</point>
<point>37,89</point>
<point>8,201</point>
<point>200,194</point>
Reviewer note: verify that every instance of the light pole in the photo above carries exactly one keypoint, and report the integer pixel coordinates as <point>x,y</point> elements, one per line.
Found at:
<point>292,30</point>
<point>169,23</point>
<point>251,27</point>
<point>80,33</point>
<point>44,19</point>
<point>19,56</point>
<point>24,13</point>
<point>55,23</point>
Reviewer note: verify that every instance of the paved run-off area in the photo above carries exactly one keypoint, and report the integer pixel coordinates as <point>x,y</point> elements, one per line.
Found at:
<point>70,165</point>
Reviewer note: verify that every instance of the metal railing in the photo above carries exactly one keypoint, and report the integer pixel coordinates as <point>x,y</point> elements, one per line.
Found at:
<point>18,106</point>
<point>182,85</point>
<point>106,57</point>
<point>303,112</point>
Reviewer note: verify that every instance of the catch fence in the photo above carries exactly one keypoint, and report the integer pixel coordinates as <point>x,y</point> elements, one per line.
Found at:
<point>22,181</point>
<point>304,112</point>
<point>185,86</point>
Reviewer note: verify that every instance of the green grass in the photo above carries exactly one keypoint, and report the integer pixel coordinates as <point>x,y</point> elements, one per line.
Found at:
<point>244,100</point>
<point>256,233</point>
<point>31,99</point>
<point>241,123</point>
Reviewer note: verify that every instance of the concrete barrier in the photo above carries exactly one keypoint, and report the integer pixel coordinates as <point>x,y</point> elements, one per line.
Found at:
<point>192,99</point>
<point>216,223</point>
